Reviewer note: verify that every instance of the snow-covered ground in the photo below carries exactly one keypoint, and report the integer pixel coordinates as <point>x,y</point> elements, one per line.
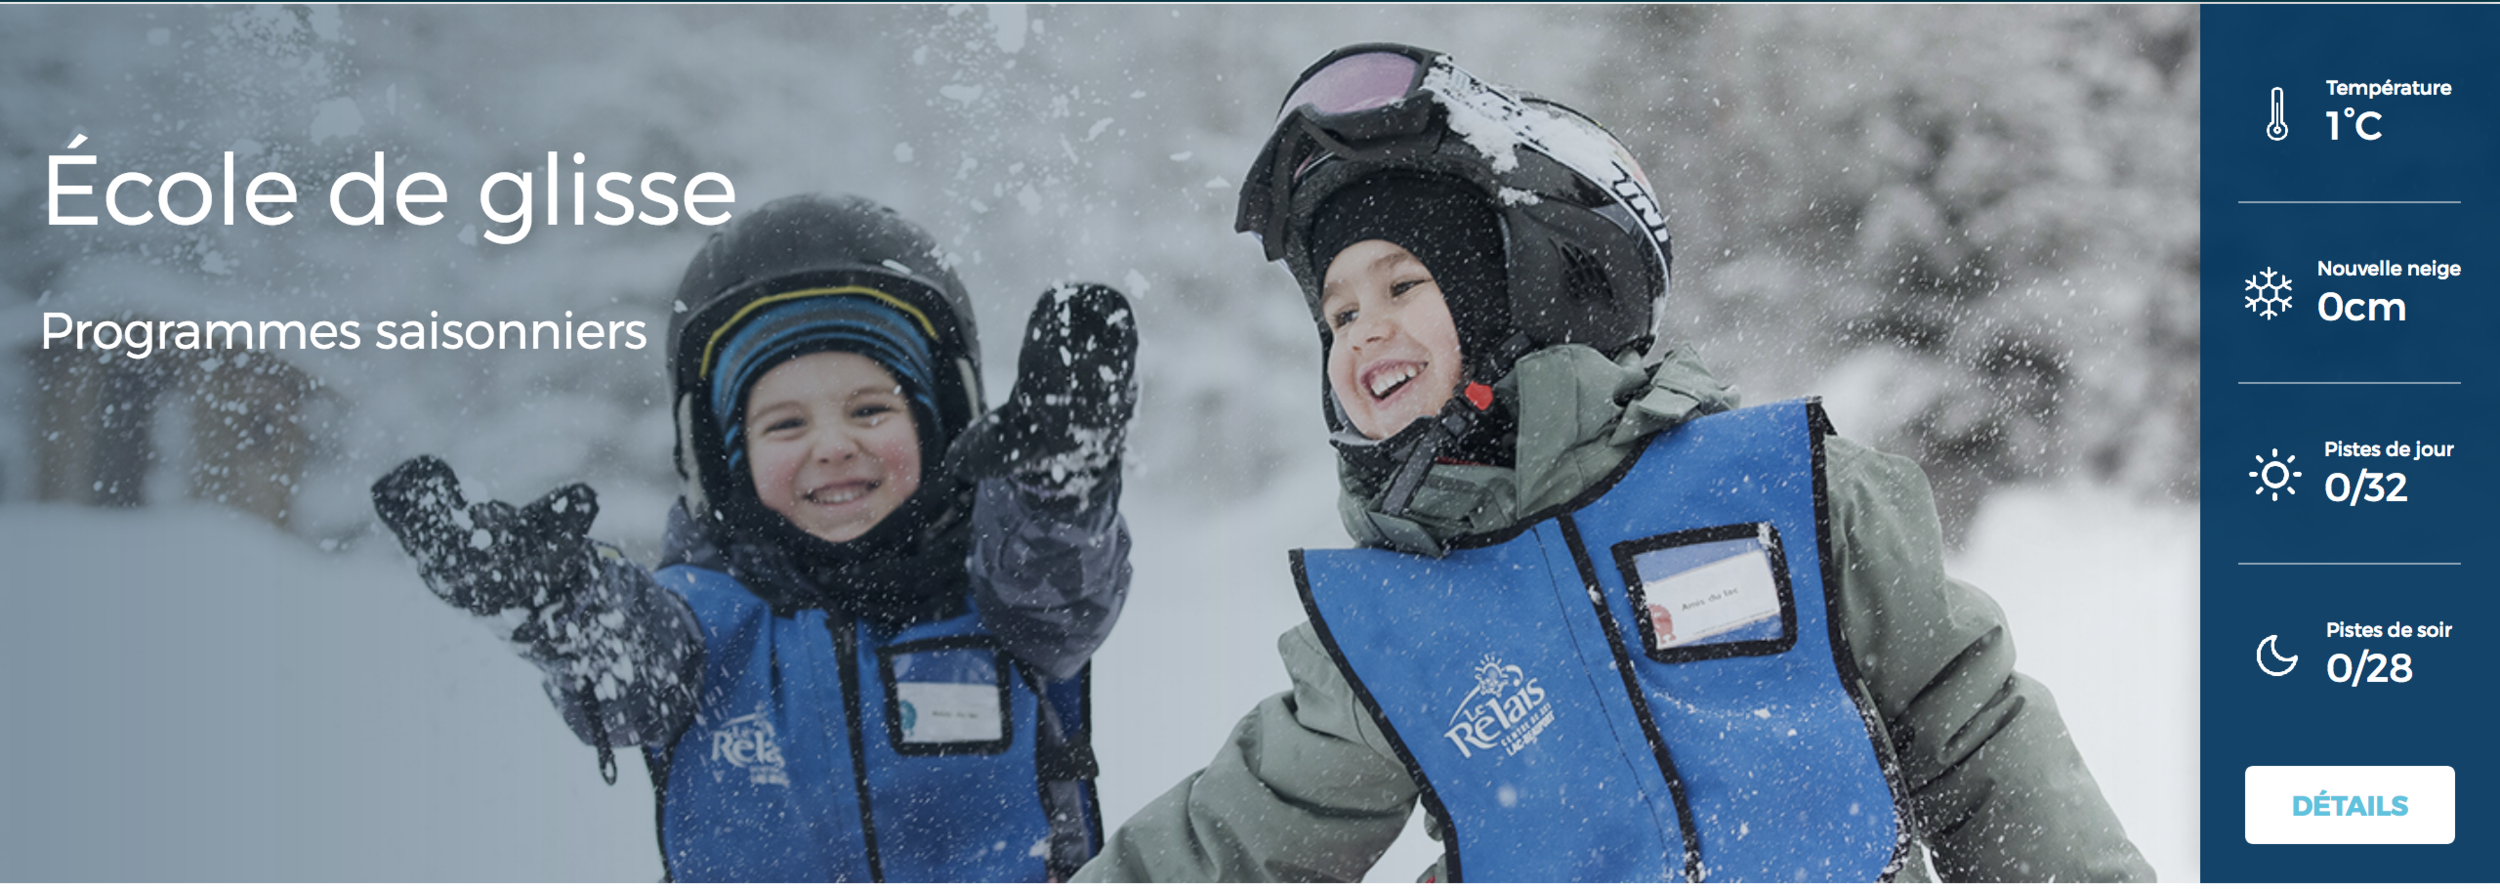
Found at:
<point>195,696</point>
<point>2100,591</point>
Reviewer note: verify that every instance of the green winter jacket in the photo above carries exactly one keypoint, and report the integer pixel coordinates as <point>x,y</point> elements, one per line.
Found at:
<point>1307,787</point>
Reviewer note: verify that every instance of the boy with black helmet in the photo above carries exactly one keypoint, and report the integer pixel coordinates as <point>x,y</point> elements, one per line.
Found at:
<point>863,657</point>
<point>1605,624</point>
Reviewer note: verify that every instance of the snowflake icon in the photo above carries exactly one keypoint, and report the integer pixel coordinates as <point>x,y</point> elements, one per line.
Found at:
<point>2270,299</point>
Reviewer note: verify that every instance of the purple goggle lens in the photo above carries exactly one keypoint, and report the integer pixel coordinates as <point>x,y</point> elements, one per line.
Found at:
<point>1355,83</point>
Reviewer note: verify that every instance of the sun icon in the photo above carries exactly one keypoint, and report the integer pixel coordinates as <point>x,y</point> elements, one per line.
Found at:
<point>2274,474</point>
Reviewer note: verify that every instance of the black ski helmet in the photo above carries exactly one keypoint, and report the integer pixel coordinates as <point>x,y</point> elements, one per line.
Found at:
<point>1586,253</point>
<point>796,247</point>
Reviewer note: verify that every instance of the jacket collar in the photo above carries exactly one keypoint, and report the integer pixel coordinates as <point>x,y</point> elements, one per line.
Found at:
<point>892,586</point>
<point>1581,415</point>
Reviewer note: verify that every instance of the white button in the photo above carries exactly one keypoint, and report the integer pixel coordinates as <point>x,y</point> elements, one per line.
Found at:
<point>2331,805</point>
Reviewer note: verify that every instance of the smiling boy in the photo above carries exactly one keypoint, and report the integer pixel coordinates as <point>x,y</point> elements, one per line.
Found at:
<point>1604,624</point>
<point>863,656</point>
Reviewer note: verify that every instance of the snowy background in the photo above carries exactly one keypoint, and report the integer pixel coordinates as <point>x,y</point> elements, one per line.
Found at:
<point>1973,230</point>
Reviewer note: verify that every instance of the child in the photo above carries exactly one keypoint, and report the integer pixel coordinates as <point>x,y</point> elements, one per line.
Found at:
<point>862,658</point>
<point>1605,625</point>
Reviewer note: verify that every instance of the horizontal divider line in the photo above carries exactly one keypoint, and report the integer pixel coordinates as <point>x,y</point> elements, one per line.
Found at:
<point>2351,563</point>
<point>2350,383</point>
<point>2352,202</point>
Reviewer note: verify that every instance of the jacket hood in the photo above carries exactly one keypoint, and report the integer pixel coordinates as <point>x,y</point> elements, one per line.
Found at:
<point>1581,416</point>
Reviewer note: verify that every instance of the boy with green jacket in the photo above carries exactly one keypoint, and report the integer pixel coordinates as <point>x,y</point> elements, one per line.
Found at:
<point>1605,625</point>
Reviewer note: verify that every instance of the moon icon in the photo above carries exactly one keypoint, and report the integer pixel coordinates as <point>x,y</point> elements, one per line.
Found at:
<point>2266,647</point>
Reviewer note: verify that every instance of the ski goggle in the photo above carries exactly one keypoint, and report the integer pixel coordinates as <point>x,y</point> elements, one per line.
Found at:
<point>1360,95</point>
<point>1383,102</point>
<point>1357,79</point>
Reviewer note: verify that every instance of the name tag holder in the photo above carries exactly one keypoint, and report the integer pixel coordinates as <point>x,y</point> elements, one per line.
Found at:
<point>946,696</point>
<point>1710,593</point>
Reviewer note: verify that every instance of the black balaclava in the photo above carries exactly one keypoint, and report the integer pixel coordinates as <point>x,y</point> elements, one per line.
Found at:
<point>1447,224</point>
<point>1452,228</point>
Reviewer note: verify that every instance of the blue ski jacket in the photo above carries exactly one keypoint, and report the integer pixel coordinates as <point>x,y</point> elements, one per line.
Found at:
<point>830,749</point>
<point>808,745</point>
<point>1649,679</point>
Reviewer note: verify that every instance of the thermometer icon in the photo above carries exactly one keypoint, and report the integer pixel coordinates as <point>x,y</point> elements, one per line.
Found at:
<point>2276,130</point>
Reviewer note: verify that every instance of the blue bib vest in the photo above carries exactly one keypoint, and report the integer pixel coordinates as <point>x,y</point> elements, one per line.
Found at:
<point>1642,686</point>
<point>825,751</point>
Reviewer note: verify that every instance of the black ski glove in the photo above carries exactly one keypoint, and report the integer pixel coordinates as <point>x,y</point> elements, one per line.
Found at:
<point>1076,386</point>
<point>489,557</point>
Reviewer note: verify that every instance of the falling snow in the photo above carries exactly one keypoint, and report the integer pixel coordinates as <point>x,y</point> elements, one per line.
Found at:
<point>1972,230</point>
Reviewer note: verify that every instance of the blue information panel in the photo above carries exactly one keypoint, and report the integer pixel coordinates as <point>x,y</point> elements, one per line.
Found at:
<point>2349,252</point>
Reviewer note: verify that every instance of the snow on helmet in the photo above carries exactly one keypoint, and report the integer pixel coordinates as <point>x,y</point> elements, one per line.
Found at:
<point>796,248</point>
<point>1586,250</point>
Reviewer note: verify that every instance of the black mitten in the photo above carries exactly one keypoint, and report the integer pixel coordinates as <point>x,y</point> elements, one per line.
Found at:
<point>1076,387</point>
<point>489,557</point>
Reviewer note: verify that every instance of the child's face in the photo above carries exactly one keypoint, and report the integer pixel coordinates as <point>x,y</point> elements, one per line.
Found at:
<point>831,442</point>
<point>1395,357</point>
